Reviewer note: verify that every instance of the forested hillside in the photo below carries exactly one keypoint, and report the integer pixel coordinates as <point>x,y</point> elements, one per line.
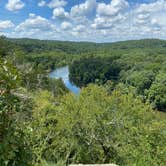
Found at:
<point>118,117</point>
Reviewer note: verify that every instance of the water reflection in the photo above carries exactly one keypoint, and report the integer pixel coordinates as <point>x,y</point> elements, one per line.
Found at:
<point>63,73</point>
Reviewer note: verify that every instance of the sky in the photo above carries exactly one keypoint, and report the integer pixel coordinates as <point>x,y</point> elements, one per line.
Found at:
<point>83,20</point>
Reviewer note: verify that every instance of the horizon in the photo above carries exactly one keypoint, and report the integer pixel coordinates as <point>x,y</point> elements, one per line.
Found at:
<point>54,40</point>
<point>97,21</point>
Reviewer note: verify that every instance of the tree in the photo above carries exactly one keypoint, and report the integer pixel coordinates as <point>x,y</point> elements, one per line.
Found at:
<point>142,80</point>
<point>97,128</point>
<point>157,92</point>
<point>14,148</point>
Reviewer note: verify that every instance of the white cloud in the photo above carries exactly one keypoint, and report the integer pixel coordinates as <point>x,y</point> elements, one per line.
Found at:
<point>149,18</point>
<point>42,3</point>
<point>146,13</point>
<point>142,18</point>
<point>66,25</point>
<point>83,9</point>
<point>80,28</point>
<point>36,27</point>
<point>96,21</point>
<point>60,13</point>
<point>113,8</point>
<point>57,3</point>
<point>107,23</point>
<point>36,23</point>
<point>159,5</point>
<point>14,5</point>
<point>6,24</point>
<point>110,15</point>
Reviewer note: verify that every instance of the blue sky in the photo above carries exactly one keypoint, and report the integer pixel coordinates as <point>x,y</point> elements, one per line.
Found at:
<point>83,20</point>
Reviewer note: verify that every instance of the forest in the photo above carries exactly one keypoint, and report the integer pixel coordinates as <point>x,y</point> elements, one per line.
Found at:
<point>118,117</point>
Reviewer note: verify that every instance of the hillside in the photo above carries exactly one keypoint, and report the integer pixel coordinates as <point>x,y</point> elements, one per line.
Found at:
<point>116,117</point>
<point>52,44</point>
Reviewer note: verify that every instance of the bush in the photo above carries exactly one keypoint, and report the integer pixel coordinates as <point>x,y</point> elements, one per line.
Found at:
<point>97,128</point>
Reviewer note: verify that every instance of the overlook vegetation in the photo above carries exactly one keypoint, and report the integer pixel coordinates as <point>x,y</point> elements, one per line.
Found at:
<point>118,117</point>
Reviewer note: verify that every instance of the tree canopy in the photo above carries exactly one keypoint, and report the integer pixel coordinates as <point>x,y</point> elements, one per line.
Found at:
<point>116,118</point>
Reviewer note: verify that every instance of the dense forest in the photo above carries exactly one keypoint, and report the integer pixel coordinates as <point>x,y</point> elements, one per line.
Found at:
<point>118,117</point>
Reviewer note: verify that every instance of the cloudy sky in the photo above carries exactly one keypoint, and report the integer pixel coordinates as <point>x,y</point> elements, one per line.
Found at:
<point>83,20</point>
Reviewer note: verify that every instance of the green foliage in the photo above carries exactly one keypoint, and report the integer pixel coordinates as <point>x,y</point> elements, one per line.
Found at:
<point>91,70</point>
<point>41,124</point>
<point>97,128</point>
<point>135,63</point>
<point>38,46</point>
<point>14,149</point>
<point>9,79</point>
<point>142,80</point>
<point>49,60</point>
<point>157,92</point>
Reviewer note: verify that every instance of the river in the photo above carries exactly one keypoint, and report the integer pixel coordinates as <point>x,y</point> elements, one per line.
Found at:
<point>63,73</point>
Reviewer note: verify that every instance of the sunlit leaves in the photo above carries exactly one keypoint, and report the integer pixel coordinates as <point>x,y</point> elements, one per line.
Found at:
<point>96,127</point>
